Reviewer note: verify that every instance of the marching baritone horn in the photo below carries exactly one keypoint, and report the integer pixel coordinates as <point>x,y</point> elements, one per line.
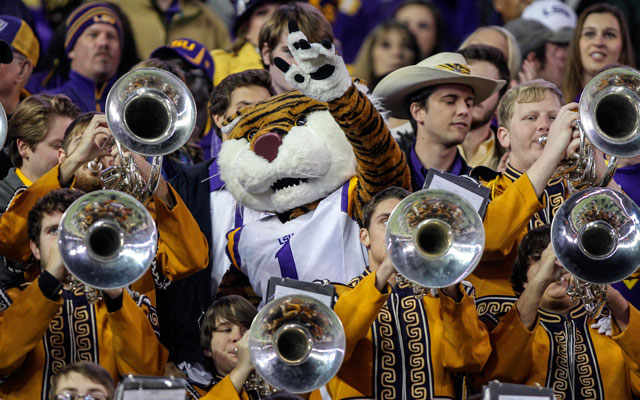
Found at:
<point>3,126</point>
<point>107,240</point>
<point>596,237</point>
<point>435,239</point>
<point>149,112</point>
<point>610,119</point>
<point>297,343</point>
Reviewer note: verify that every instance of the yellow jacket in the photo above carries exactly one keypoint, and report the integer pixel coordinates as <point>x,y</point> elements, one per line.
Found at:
<point>228,62</point>
<point>182,247</point>
<point>513,210</point>
<point>39,336</point>
<point>438,337</point>
<point>602,366</point>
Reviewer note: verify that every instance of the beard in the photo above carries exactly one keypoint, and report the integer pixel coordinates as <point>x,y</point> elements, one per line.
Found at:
<point>87,181</point>
<point>483,120</point>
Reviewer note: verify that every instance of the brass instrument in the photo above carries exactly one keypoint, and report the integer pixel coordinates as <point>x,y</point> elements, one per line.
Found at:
<point>107,240</point>
<point>150,112</point>
<point>297,343</point>
<point>610,119</point>
<point>596,237</point>
<point>435,239</point>
<point>3,126</point>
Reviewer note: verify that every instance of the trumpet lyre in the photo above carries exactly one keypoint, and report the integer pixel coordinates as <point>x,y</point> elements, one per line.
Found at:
<point>107,239</point>
<point>435,238</point>
<point>297,343</point>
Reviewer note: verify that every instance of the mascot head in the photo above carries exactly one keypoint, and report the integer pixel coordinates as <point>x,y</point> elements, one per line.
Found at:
<point>283,153</point>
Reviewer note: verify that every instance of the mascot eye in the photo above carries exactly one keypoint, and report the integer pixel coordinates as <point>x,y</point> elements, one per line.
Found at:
<point>251,134</point>
<point>301,121</point>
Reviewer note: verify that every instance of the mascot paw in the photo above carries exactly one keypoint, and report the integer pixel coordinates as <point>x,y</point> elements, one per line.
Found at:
<point>320,73</point>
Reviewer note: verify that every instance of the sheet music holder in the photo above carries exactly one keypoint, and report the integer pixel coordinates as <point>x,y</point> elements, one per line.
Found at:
<point>322,291</point>
<point>496,390</point>
<point>139,387</point>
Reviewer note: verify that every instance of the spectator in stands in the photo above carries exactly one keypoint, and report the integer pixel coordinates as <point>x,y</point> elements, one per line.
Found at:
<point>424,20</point>
<point>502,39</point>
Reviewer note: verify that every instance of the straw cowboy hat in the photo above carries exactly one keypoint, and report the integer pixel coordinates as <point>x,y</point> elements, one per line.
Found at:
<point>439,69</point>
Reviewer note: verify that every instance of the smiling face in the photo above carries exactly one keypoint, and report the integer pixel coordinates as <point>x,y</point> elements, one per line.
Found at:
<point>600,43</point>
<point>283,153</point>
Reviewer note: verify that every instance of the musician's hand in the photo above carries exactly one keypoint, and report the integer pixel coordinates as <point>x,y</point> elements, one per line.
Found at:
<point>243,368</point>
<point>560,134</point>
<point>619,307</point>
<point>54,264</point>
<point>144,168</point>
<point>453,291</point>
<point>385,273</point>
<point>113,293</point>
<point>549,269</point>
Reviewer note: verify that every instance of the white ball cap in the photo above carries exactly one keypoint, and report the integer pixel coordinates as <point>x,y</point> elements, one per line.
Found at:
<point>554,14</point>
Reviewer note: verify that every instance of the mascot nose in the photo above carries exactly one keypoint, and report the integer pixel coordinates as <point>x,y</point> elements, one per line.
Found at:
<point>266,145</point>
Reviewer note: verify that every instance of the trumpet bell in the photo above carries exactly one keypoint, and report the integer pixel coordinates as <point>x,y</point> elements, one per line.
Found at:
<point>596,237</point>
<point>150,111</point>
<point>610,111</point>
<point>297,343</point>
<point>434,238</point>
<point>107,239</point>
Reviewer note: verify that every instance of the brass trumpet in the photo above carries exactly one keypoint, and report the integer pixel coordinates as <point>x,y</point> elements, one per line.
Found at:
<point>149,112</point>
<point>610,120</point>
<point>297,343</point>
<point>596,237</point>
<point>107,240</point>
<point>435,239</point>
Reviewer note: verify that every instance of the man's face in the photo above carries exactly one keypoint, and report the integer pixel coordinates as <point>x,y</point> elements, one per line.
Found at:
<point>9,74</point>
<point>260,15</point>
<point>447,117</point>
<point>281,50</point>
<point>48,237</point>
<point>483,112</point>
<point>44,156</point>
<point>556,59</point>
<point>78,384</point>
<point>373,238</point>
<point>529,122</point>
<point>96,54</point>
<point>224,339</point>
<point>240,97</point>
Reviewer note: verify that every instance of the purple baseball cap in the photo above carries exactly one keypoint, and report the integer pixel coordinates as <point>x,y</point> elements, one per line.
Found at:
<point>191,51</point>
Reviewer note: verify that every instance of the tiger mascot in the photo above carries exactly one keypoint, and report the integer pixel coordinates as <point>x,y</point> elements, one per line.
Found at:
<point>312,157</point>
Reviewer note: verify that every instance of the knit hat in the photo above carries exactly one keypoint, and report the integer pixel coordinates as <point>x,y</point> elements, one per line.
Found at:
<point>19,35</point>
<point>86,15</point>
<point>191,51</point>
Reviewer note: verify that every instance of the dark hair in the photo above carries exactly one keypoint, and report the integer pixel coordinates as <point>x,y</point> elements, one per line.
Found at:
<point>420,96</point>
<point>76,128</point>
<point>490,54</point>
<point>574,72</point>
<point>30,122</point>
<point>310,20</point>
<point>57,200</point>
<point>94,372</point>
<point>221,94</point>
<point>529,251</point>
<point>392,192</point>
<point>231,308</point>
<point>437,16</point>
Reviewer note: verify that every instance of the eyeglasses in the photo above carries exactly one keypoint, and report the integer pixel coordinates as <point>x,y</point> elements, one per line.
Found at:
<point>70,396</point>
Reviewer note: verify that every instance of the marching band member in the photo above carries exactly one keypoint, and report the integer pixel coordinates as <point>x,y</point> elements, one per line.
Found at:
<point>398,345</point>
<point>84,140</point>
<point>546,339</point>
<point>47,324</point>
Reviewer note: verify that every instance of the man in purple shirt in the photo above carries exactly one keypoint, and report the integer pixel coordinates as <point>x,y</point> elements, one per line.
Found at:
<point>436,96</point>
<point>93,44</point>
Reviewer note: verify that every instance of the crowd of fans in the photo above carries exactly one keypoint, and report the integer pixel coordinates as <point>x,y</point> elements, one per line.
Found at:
<point>468,87</point>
